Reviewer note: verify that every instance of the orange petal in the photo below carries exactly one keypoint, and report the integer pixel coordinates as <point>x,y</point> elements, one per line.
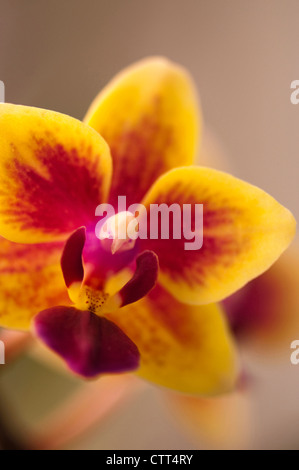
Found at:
<point>148,115</point>
<point>183,347</point>
<point>30,280</point>
<point>54,171</point>
<point>244,231</point>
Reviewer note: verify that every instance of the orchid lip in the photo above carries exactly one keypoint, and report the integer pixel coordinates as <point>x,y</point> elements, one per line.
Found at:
<point>89,344</point>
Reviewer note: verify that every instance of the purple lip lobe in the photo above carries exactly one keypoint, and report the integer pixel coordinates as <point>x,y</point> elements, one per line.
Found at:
<point>143,280</point>
<point>89,344</point>
<point>71,260</point>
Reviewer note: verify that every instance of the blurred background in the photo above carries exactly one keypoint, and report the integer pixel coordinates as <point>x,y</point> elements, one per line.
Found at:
<point>243,56</point>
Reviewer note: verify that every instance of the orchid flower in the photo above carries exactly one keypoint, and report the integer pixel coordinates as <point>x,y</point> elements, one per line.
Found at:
<point>151,307</point>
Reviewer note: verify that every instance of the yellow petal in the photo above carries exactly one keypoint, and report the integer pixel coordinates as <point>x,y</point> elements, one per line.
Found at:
<point>149,116</point>
<point>183,347</point>
<point>244,231</point>
<point>54,171</point>
<point>30,280</point>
